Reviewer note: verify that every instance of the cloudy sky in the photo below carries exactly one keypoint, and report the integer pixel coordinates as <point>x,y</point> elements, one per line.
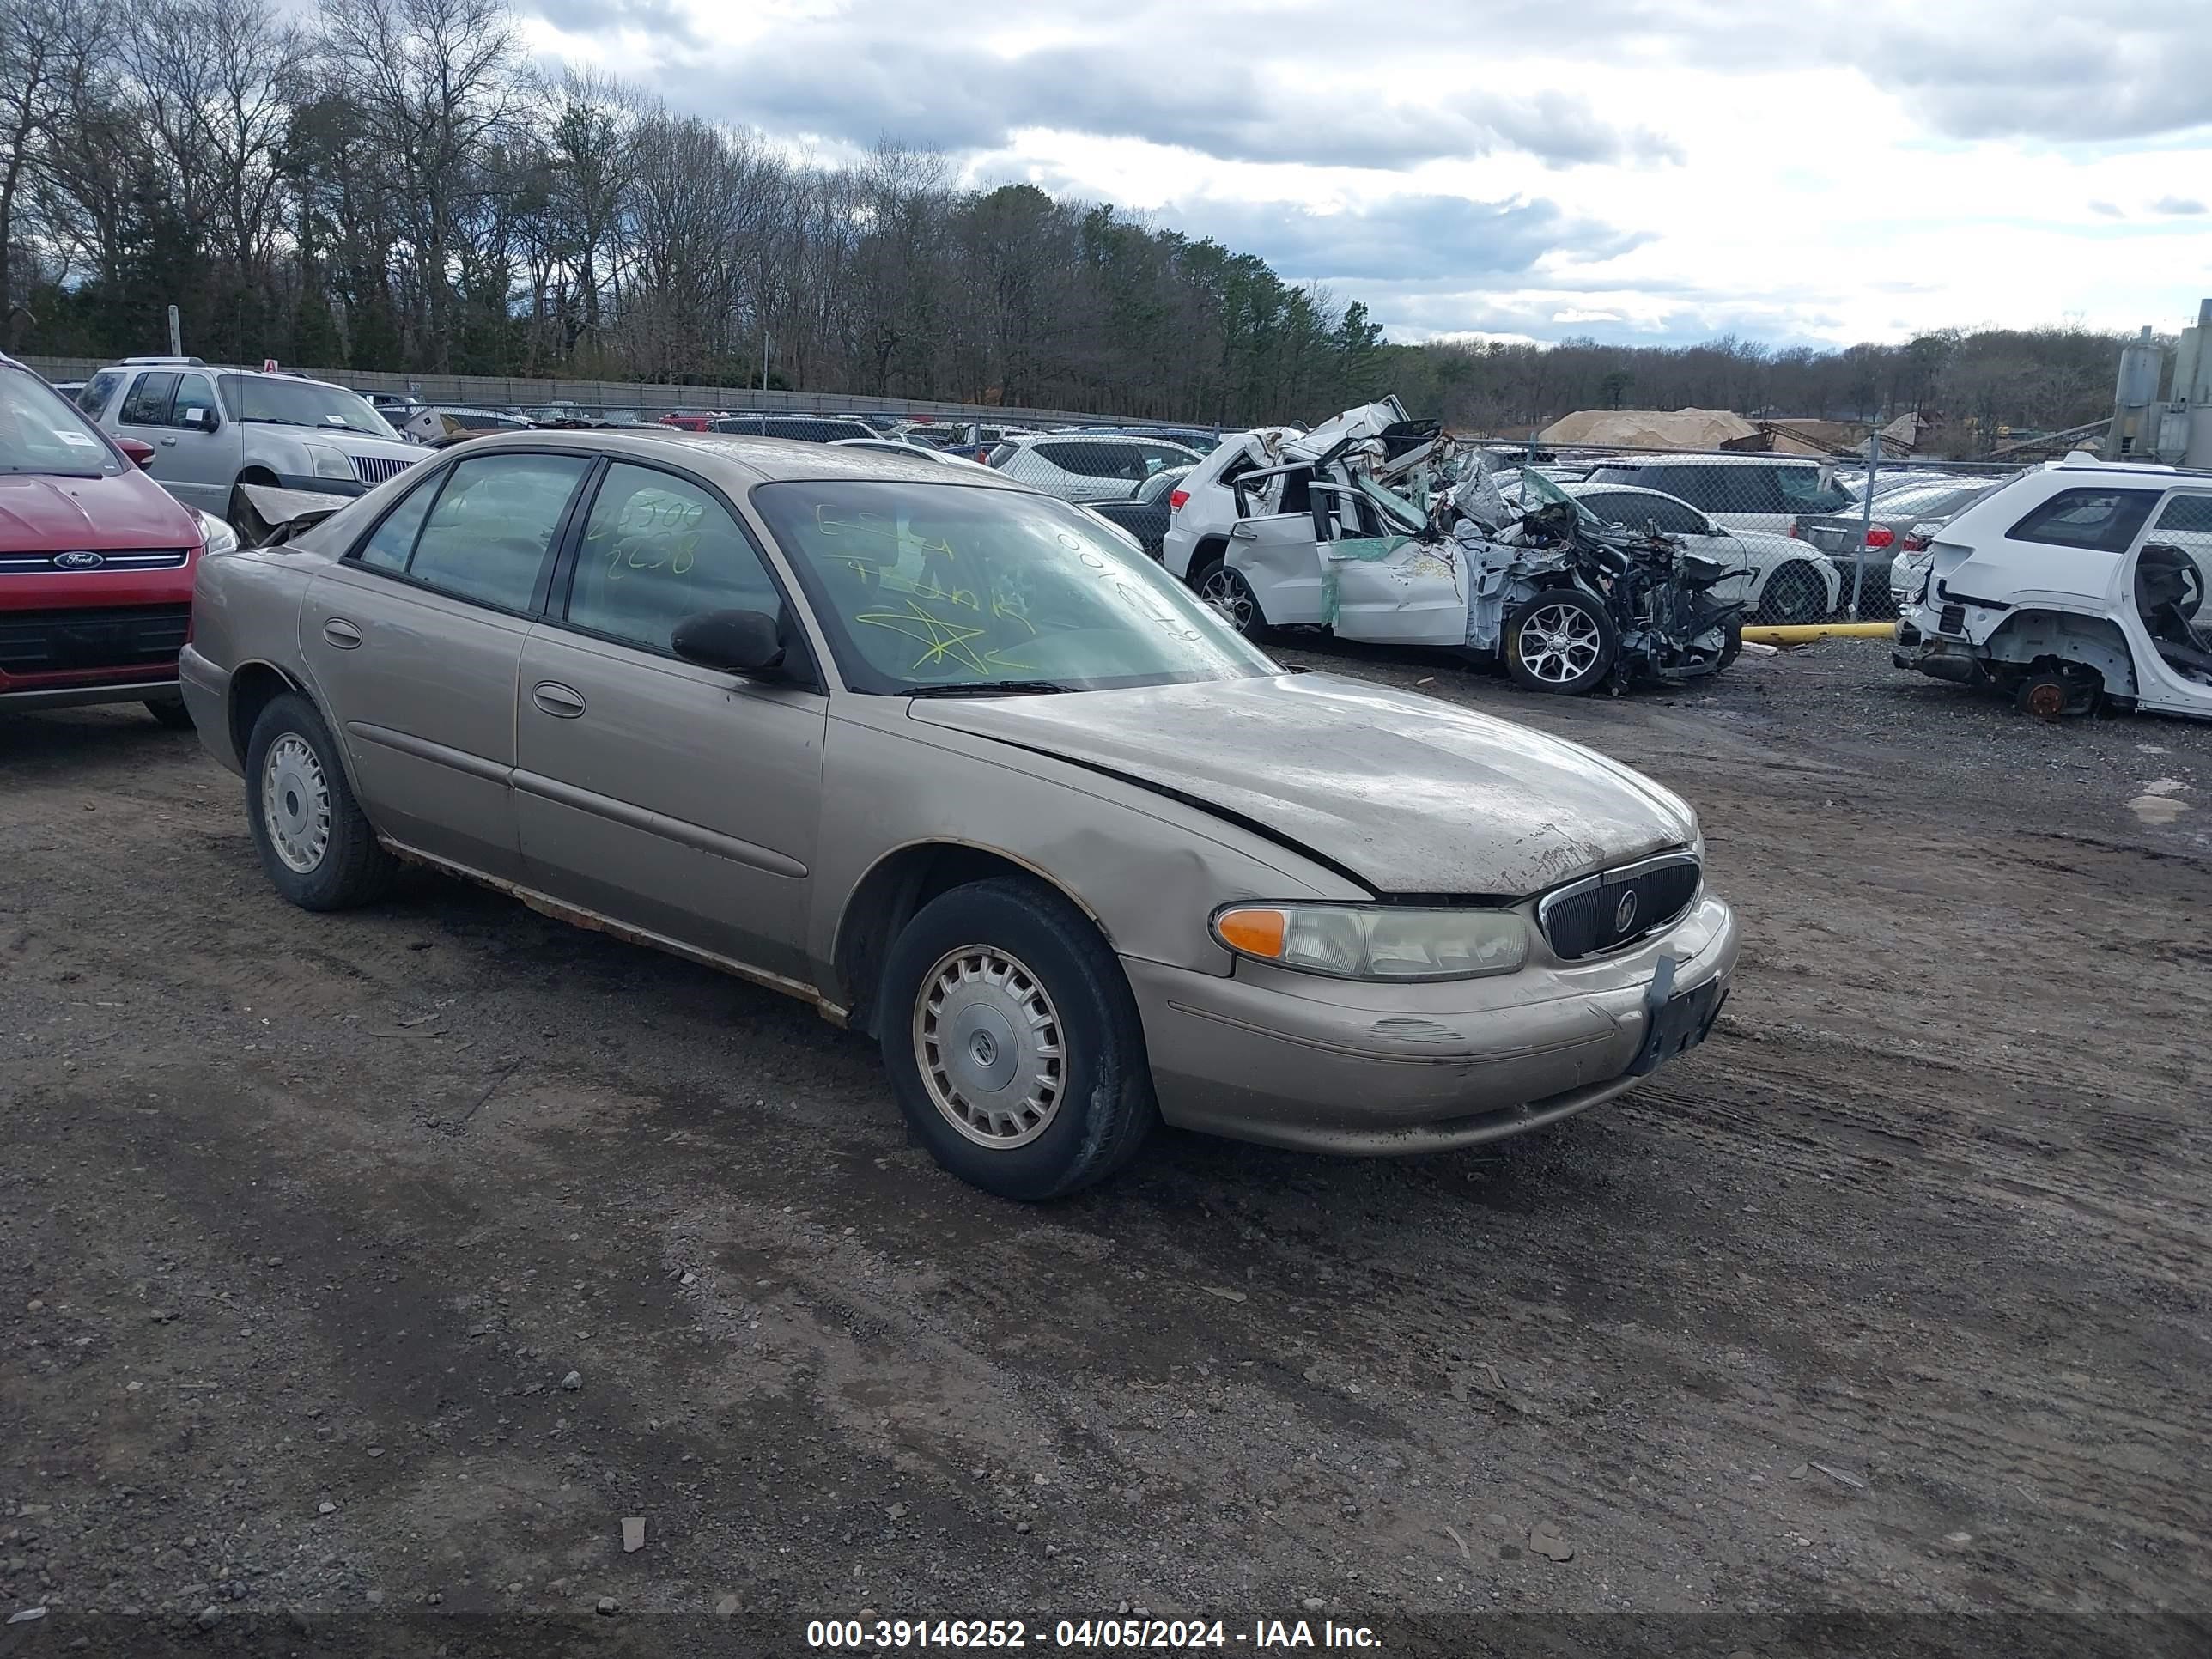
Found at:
<point>1650,170</point>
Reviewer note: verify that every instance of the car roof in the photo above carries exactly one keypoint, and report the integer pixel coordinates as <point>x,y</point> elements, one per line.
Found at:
<point>738,459</point>
<point>1691,457</point>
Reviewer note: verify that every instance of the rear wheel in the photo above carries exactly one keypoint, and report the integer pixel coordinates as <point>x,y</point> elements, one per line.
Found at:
<point>2053,694</point>
<point>1563,642</point>
<point>175,715</point>
<point>1013,1040</point>
<point>314,839</point>
<point>1227,591</point>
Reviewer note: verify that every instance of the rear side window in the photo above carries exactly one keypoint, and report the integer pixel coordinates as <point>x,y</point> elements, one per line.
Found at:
<point>1800,490</point>
<point>2104,520</point>
<point>390,548</point>
<point>148,401</point>
<point>1004,453</point>
<point>487,538</point>
<point>2187,515</point>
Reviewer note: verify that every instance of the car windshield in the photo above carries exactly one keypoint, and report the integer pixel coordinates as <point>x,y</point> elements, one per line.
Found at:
<point>929,588</point>
<point>302,403</point>
<point>41,431</point>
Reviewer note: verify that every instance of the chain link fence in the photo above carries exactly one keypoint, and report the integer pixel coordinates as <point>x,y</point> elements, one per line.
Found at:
<point>1799,526</point>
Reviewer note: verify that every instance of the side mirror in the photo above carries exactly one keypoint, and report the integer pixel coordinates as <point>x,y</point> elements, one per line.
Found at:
<point>731,641</point>
<point>139,454</point>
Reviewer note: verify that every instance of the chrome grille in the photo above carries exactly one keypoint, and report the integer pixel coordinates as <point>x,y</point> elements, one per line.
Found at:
<point>71,562</point>
<point>375,469</point>
<point>1616,908</point>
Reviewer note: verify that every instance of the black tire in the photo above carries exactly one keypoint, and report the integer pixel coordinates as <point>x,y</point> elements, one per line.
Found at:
<point>1731,643</point>
<point>349,869</point>
<point>1794,595</point>
<point>175,715</point>
<point>1530,653</point>
<point>1102,1107</point>
<point>1228,592</point>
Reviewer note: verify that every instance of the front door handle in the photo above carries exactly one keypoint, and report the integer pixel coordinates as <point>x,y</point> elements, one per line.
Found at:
<point>557,699</point>
<point>342,634</point>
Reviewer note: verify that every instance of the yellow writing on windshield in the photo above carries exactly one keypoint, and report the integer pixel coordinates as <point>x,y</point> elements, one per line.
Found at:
<point>942,640</point>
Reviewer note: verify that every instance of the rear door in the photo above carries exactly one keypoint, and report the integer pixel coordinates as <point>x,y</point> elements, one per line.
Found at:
<point>415,641</point>
<point>671,798</point>
<point>1278,554</point>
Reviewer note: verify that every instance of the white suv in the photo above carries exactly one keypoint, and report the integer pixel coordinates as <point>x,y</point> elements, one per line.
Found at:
<point>1204,508</point>
<point>1087,466</point>
<point>2082,581</point>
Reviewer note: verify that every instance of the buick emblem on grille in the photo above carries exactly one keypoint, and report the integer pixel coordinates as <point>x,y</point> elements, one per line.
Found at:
<point>86,561</point>
<point>1624,913</point>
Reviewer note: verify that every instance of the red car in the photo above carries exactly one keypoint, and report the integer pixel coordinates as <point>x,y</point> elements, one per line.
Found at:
<point>96,561</point>
<point>685,421</point>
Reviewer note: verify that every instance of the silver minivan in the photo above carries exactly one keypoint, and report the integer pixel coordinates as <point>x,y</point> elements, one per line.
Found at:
<point>212,430</point>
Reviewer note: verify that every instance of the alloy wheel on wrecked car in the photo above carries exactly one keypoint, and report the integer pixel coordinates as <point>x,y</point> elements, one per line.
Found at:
<point>1559,642</point>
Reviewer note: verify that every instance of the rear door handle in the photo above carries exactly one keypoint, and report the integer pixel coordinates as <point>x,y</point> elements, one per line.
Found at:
<point>557,699</point>
<point>342,634</point>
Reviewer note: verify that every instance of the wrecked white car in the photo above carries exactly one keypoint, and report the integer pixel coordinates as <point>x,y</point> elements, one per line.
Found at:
<point>1383,530</point>
<point>2078,585</point>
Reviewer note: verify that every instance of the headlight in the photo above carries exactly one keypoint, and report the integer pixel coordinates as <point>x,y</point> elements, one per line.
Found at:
<point>330,463</point>
<point>217,537</point>
<point>1377,942</point>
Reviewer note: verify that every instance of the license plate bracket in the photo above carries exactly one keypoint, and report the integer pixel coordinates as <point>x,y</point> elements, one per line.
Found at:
<point>1675,1022</point>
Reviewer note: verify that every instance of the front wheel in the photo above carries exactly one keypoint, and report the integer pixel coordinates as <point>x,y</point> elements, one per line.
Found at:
<point>1796,595</point>
<point>314,839</point>
<point>1013,1040</point>
<point>1563,642</point>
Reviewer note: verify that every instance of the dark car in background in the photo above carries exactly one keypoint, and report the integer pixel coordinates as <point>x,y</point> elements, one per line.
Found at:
<point>96,561</point>
<point>1906,519</point>
<point>1147,515</point>
<point>804,429</point>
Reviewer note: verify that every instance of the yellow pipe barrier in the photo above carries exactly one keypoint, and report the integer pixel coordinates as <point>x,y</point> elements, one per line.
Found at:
<point>1806,632</point>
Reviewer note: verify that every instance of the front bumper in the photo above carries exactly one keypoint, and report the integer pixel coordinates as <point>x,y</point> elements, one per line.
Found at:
<point>1293,1060</point>
<point>138,688</point>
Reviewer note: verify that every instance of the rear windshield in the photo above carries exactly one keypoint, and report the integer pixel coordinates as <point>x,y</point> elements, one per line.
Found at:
<point>41,431</point>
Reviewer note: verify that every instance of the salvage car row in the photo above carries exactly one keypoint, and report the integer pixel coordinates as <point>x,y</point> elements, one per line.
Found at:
<point>954,761</point>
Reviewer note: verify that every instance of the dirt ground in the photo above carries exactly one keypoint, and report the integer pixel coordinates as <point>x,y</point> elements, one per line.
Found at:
<point>360,1274</point>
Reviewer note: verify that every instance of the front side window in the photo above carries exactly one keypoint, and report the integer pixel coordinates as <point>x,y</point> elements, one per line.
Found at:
<point>194,394</point>
<point>41,431</point>
<point>487,538</point>
<point>2186,515</point>
<point>657,550</point>
<point>279,402</point>
<point>2104,520</point>
<point>928,586</point>
<point>148,401</point>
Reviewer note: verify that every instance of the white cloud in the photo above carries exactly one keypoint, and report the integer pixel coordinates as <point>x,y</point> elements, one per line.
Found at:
<point>1640,169</point>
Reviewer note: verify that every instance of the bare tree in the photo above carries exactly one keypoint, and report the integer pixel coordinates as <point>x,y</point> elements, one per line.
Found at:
<point>47,46</point>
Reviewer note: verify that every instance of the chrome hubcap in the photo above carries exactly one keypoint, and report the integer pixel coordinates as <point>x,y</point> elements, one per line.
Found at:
<point>295,803</point>
<point>988,1042</point>
<point>1225,590</point>
<point>1558,642</point>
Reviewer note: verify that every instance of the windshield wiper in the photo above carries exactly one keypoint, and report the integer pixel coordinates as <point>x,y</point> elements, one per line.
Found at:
<point>990,688</point>
<point>311,426</point>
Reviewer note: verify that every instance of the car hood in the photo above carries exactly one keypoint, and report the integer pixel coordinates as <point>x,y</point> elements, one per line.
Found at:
<point>39,513</point>
<point>1405,793</point>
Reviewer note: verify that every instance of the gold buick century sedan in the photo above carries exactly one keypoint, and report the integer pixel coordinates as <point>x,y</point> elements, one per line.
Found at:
<point>950,760</point>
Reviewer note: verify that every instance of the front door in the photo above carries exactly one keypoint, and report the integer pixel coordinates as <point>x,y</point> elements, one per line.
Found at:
<point>415,639</point>
<point>674,798</point>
